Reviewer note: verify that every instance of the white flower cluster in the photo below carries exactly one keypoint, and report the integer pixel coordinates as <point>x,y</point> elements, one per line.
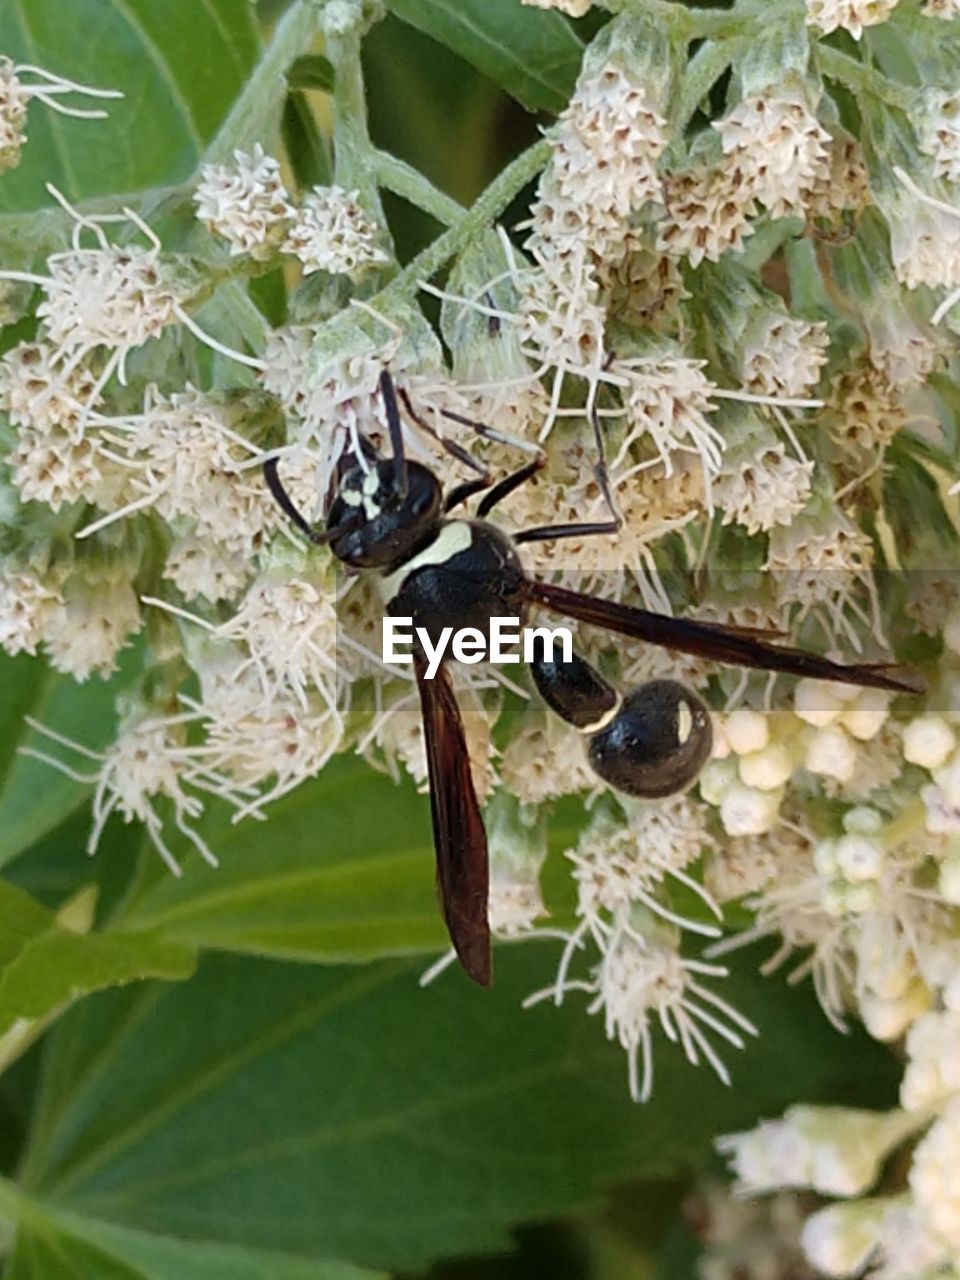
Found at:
<point>622,866</point>
<point>879,942</point>
<point>19,86</point>
<point>604,169</point>
<point>248,206</point>
<point>851,15</point>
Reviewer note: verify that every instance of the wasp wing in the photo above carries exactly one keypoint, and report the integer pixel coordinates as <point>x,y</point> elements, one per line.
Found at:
<point>733,646</point>
<point>463,872</point>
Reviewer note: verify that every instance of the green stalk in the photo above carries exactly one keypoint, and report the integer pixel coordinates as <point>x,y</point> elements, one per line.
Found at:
<point>859,78</point>
<point>262,96</point>
<point>353,167</point>
<point>408,183</point>
<point>486,210</point>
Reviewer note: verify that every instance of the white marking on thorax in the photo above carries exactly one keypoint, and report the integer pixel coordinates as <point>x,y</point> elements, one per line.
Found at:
<point>371,483</point>
<point>351,497</point>
<point>453,538</point>
<point>684,722</point>
<point>604,719</point>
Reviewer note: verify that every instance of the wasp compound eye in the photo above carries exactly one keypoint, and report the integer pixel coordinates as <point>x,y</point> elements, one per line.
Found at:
<point>656,744</point>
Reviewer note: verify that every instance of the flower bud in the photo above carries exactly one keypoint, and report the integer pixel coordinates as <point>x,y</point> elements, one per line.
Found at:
<point>928,741</point>
<point>866,715</point>
<point>745,811</point>
<point>836,1151</point>
<point>887,1018</point>
<point>816,702</point>
<point>767,769</point>
<point>832,753</point>
<point>746,730</point>
<point>716,779</point>
<point>839,1240</point>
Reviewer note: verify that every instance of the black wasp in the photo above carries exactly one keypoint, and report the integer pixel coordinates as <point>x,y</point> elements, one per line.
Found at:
<point>391,515</point>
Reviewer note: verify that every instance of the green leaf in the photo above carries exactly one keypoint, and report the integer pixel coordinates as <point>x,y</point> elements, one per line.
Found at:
<point>42,1253</point>
<point>531,53</point>
<point>179,63</point>
<point>62,1245</point>
<point>44,966</point>
<point>325,1112</point>
<point>34,797</point>
<point>343,870</point>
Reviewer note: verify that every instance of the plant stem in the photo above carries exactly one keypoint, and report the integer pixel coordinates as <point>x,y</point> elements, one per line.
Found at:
<point>262,96</point>
<point>859,78</point>
<point>683,23</point>
<point>353,167</point>
<point>403,180</point>
<point>487,209</point>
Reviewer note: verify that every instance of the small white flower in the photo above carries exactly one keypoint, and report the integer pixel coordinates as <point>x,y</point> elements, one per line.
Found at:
<point>746,730</point>
<point>924,242</point>
<point>748,811</point>
<point>667,400</point>
<point>766,490</point>
<point>768,769</point>
<point>150,758</point>
<point>842,1238</point>
<point>822,558</point>
<point>744,865</point>
<point>852,15</point>
<point>185,460</point>
<point>846,188</point>
<point>29,607</point>
<point>866,714</point>
<point>331,232</point>
<point>604,167</point>
<point>15,94</point>
<point>619,862</point>
<point>54,460</point>
<point>14,97</point>
<point>252,740</point>
<point>245,202</point>
<point>708,212</point>
<point>933,1067</point>
<point>933,1174</point>
<point>783,355</point>
<point>887,1018</point>
<point>940,134</point>
<point>928,741</point>
<point>831,751</point>
<point>201,568</point>
<point>115,297</point>
<point>717,777</point>
<point>287,625</point>
<point>836,1151</point>
<point>545,759</point>
<point>817,702</point>
<point>780,147</point>
<point>642,977</point>
<point>561,319</point>
<point>98,615</point>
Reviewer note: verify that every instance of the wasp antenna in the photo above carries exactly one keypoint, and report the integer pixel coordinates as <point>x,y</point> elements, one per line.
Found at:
<point>282,498</point>
<point>389,394</point>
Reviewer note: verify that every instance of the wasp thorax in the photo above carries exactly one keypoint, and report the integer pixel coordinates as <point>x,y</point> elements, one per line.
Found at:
<point>377,522</point>
<point>656,744</point>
